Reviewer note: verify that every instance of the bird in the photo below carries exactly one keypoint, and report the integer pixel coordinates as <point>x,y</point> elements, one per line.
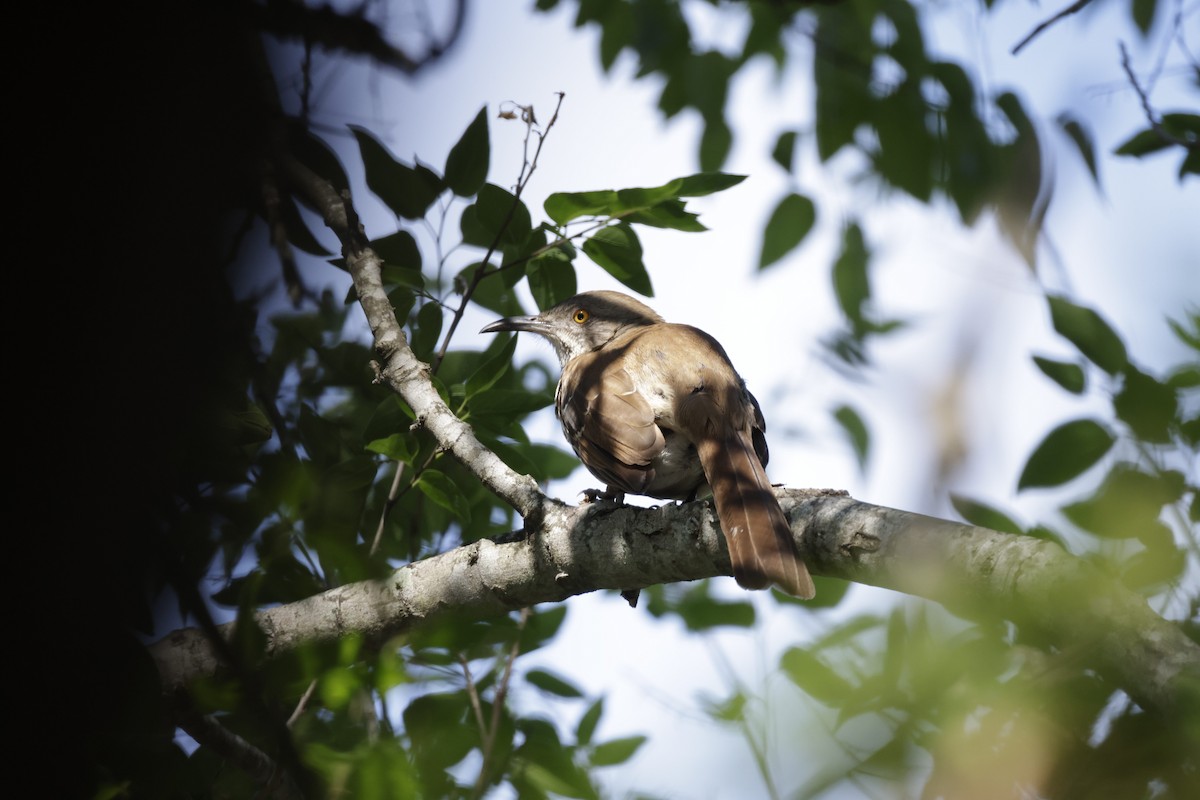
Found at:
<point>657,409</point>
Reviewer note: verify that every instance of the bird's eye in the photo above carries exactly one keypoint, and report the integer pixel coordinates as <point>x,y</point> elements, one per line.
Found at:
<point>581,316</point>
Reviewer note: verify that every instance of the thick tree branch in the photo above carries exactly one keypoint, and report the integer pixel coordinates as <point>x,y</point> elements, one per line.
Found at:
<point>401,369</point>
<point>976,572</point>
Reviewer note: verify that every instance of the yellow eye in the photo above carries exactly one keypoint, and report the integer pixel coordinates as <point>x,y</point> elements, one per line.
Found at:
<point>581,316</point>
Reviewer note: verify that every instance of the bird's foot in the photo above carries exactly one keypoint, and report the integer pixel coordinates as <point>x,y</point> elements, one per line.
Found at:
<point>592,495</point>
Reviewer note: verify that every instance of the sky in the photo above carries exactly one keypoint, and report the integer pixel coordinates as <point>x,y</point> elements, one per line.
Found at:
<point>959,380</point>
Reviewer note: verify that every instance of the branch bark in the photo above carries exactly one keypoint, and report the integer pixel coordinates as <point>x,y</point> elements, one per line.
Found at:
<point>577,549</point>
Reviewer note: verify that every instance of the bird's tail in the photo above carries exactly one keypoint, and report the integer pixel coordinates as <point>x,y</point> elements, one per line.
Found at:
<point>760,541</point>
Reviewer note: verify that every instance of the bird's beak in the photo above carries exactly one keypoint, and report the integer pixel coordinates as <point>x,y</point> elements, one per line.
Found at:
<point>531,324</point>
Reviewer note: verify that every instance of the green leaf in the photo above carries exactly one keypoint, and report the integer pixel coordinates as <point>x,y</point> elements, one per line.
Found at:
<point>1066,452</point>
<point>338,686</point>
<point>1174,130</point>
<point>1082,140</point>
<point>588,722</point>
<point>790,222</point>
<point>784,151</point>
<point>1067,375</point>
<point>1147,406</point>
<point>1088,331</point>
<point>510,401</point>
<point>426,330</point>
<point>551,278</point>
<point>699,611</point>
<point>467,163</point>
<point>851,283</point>
<point>715,143</point>
<point>562,207</point>
<point>491,370</point>
<point>440,489</point>
<point>671,214</point>
<point>1127,503</point>
<point>407,191</point>
<point>856,432</point>
<point>705,183</point>
<point>1142,12</point>
<point>496,217</point>
<point>983,515</point>
<point>814,677</point>
<point>617,250</point>
<point>397,446</point>
<point>552,684</point>
<point>616,751</point>
<point>436,725</point>
<point>541,627</point>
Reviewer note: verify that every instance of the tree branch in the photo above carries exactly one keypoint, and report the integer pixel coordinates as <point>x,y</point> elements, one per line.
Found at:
<point>975,572</point>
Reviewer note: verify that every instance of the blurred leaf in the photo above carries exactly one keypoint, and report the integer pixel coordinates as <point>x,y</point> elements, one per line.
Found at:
<point>830,592</point>
<point>715,143</point>
<point>616,751</point>
<point>1185,376</point>
<point>1142,12</point>
<point>851,283</point>
<point>1088,332</point>
<point>983,515</point>
<point>790,222</point>
<point>1067,375</point>
<point>1127,503</point>
<point>440,489</point>
<point>552,684</point>
<point>407,191</point>
<point>548,764</point>
<point>617,250</point>
<point>671,214</point>
<point>510,401</point>
<point>1082,140</point>
<point>700,611</point>
<point>588,722</point>
<point>436,723</point>
<point>1147,406</point>
<point>1065,453</point>
<point>1173,129</point>
<point>814,677</point>
<point>784,150</point>
<point>467,162</point>
<point>856,432</point>
<point>338,686</point>
<point>397,446</point>
<point>541,627</point>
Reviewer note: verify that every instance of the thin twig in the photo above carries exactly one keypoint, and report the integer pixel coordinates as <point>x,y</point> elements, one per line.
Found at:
<point>480,272</point>
<point>308,693</point>
<point>387,506</point>
<point>1066,12</point>
<point>1155,124</point>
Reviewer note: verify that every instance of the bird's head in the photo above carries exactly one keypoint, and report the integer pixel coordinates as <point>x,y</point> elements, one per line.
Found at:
<point>582,323</point>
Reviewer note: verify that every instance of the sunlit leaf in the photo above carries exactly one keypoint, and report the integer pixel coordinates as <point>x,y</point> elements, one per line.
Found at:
<point>814,677</point>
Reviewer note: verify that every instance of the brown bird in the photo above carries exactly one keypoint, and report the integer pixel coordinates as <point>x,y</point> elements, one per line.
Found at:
<point>657,409</point>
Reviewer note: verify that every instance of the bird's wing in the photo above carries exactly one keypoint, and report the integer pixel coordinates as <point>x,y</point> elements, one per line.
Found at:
<point>611,411</point>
